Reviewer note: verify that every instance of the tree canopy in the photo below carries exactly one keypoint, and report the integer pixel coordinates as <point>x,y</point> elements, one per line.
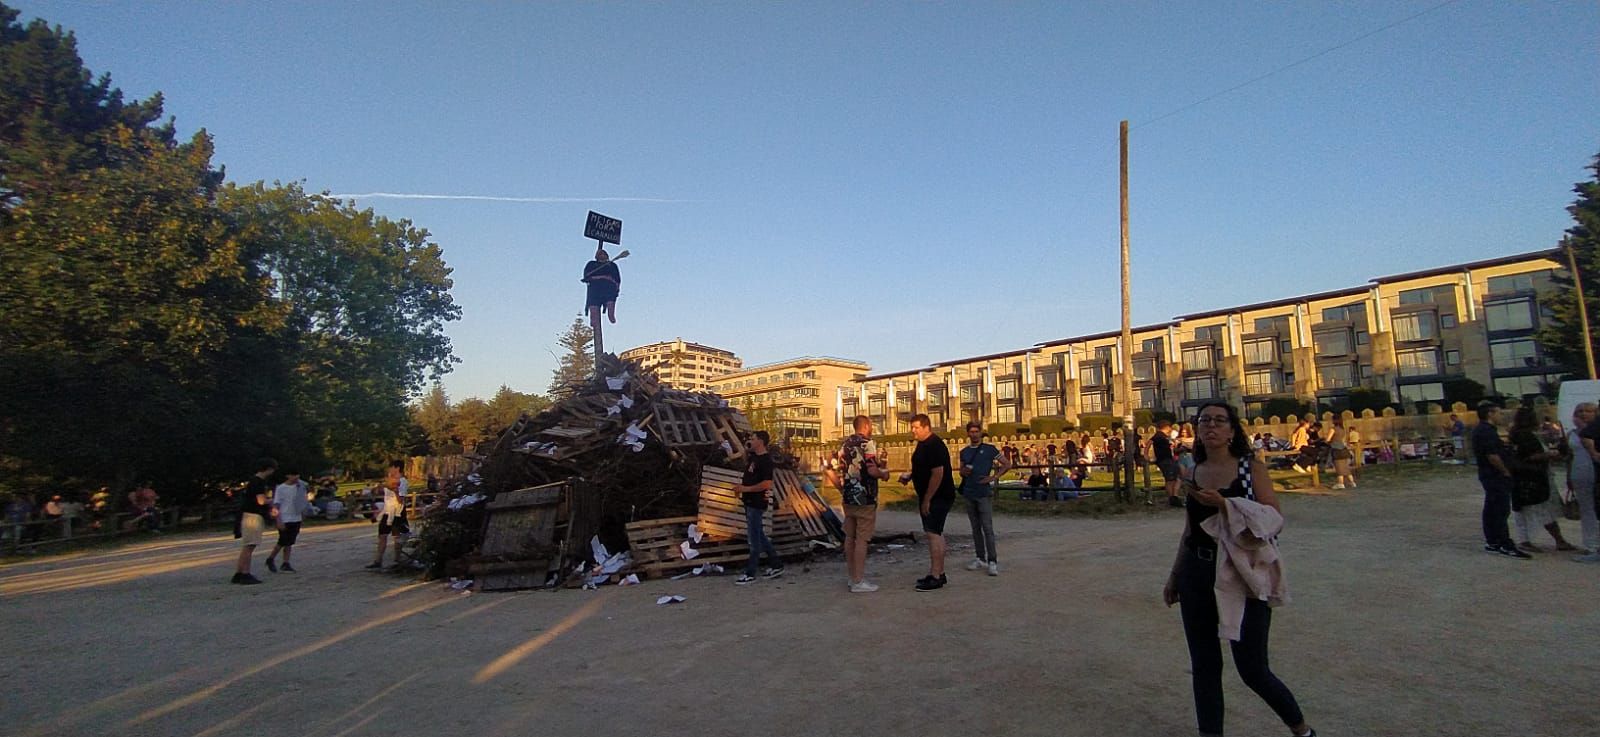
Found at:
<point>159,322</point>
<point>1563,339</point>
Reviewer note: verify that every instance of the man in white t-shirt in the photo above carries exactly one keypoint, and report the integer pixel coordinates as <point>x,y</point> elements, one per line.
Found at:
<point>289,500</point>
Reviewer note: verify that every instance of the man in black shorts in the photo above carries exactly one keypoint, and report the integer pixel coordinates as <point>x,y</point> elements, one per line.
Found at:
<point>936,491</point>
<point>1161,454</point>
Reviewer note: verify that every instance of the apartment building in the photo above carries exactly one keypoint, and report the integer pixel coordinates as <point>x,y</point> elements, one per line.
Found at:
<point>1412,335</point>
<point>794,399</point>
<point>684,365</point>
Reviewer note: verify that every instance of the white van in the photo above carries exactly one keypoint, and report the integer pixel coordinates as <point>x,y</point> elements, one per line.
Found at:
<point>1573,393</point>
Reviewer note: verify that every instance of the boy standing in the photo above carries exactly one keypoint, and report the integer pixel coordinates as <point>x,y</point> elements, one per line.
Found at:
<point>289,506</point>
<point>981,464</point>
<point>392,518</point>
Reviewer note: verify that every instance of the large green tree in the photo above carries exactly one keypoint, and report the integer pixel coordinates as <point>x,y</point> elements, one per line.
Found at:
<point>156,322</point>
<point>1563,339</point>
<point>576,364</point>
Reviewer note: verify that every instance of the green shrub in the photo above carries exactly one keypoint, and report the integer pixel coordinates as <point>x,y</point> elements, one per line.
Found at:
<point>1048,425</point>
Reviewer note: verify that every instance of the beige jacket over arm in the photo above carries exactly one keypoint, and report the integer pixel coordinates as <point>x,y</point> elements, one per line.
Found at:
<point>1248,564</point>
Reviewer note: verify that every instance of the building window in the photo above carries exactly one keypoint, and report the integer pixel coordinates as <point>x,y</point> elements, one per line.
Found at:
<point>1105,353</point>
<point>1415,326</point>
<point>875,406</point>
<point>1278,324</point>
<point>1285,347</point>
<point>1197,358</point>
<point>761,380</point>
<point>1346,313</point>
<point>1418,362</point>
<point>1260,382</point>
<point>1147,398</point>
<point>1332,342</point>
<point>1366,371</point>
<point>1523,386</point>
<point>1048,380</point>
<point>1152,345</point>
<point>1447,321</point>
<point>810,374</point>
<point>1006,412</point>
<point>1511,284</point>
<point>1144,370</point>
<point>1049,406</point>
<point>1212,333</point>
<point>1092,402</point>
<point>1425,296</point>
<point>969,393</point>
<point>1259,351</point>
<point>1515,354</point>
<point>1337,375</point>
<point>1006,390</point>
<point>1515,314</point>
<point>902,402</point>
<point>1452,358</point>
<point>1422,392</point>
<point>936,397</point>
<point>1093,374</point>
<point>1199,387</point>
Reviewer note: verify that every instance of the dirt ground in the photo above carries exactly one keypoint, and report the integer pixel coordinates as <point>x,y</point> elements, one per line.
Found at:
<point>1400,625</point>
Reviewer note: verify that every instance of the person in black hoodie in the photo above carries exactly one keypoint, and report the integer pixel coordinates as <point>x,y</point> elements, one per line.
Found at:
<point>604,280</point>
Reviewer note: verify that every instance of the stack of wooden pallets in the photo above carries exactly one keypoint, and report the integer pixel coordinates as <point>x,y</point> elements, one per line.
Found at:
<point>657,545</point>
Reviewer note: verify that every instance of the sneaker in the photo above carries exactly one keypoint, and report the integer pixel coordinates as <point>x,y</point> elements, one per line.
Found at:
<point>976,564</point>
<point>245,579</point>
<point>994,568</point>
<point>1175,501</point>
<point>1588,557</point>
<point>744,579</point>
<point>286,568</point>
<point>272,565</point>
<point>375,565</point>
<point>1511,551</point>
<point>1352,485</point>
<point>862,587</point>
<point>929,583</point>
<point>1338,486</point>
<point>772,572</point>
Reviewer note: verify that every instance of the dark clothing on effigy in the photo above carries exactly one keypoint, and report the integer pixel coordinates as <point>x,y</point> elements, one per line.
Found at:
<point>601,288</point>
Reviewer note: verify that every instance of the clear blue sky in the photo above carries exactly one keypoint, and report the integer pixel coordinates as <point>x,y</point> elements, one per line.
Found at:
<point>878,181</point>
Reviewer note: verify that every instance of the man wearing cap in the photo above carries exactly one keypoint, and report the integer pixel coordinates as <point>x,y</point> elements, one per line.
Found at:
<point>290,504</point>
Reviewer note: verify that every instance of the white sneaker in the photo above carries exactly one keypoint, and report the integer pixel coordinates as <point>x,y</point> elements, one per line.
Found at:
<point>977,564</point>
<point>1352,484</point>
<point>862,587</point>
<point>994,568</point>
<point>1338,486</point>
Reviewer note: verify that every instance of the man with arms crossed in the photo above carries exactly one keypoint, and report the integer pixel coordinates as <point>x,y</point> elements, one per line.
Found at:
<point>936,492</point>
<point>981,464</point>
<point>856,474</point>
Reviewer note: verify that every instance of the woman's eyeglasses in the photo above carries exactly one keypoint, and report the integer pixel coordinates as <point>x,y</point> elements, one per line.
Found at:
<point>1211,420</point>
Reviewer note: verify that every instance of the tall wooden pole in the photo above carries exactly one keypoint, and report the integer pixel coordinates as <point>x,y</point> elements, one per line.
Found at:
<point>1583,308</point>
<point>1125,382</point>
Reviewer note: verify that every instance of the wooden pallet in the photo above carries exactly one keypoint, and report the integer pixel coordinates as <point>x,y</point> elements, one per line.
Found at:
<point>722,509</point>
<point>807,508</point>
<point>656,546</point>
<point>520,537</point>
<point>684,425</point>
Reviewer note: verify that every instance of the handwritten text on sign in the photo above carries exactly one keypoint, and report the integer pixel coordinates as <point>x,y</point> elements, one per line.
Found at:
<point>602,228</point>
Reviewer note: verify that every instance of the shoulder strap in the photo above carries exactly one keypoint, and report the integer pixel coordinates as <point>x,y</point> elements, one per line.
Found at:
<point>1249,483</point>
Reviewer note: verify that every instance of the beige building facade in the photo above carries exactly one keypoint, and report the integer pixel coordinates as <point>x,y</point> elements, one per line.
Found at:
<point>795,399</point>
<point>684,365</point>
<point>1419,336</point>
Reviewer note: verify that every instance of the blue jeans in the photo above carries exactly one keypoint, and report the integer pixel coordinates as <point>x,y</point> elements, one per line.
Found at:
<point>1496,508</point>
<point>759,543</point>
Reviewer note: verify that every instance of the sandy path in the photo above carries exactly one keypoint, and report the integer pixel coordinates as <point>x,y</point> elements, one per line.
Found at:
<point>1400,626</point>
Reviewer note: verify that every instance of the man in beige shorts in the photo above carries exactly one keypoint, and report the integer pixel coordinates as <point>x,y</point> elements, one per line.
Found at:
<point>855,472</point>
<point>255,515</point>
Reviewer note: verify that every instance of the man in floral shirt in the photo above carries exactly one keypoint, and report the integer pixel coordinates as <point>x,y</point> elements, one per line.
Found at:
<point>855,471</point>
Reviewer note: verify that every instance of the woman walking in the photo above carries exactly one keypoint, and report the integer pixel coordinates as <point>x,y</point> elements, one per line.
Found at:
<point>1225,469</point>
<point>1339,442</point>
<point>1580,478</point>
<point>1532,503</point>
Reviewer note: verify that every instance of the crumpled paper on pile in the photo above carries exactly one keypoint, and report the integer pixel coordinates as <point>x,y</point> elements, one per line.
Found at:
<point>461,503</point>
<point>615,383</point>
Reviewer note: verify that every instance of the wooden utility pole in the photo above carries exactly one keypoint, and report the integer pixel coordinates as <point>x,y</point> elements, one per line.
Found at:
<point>1130,443</point>
<point>1583,308</point>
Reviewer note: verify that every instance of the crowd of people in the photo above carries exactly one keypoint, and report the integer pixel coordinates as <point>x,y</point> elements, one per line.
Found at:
<point>32,517</point>
<point>1533,475</point>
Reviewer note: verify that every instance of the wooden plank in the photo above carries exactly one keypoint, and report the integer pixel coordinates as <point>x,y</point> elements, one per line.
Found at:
<point>663,522</point>
<point>532,496</point>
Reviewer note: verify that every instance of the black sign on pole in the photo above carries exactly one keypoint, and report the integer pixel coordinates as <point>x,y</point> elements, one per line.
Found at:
<point>603,229</point>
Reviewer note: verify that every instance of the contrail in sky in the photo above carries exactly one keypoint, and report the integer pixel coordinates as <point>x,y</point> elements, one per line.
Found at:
<point>493,198</point>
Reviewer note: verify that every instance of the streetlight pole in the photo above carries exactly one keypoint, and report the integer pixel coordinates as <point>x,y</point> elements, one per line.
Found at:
<point>1583,307</point>
<point>1125,382</point>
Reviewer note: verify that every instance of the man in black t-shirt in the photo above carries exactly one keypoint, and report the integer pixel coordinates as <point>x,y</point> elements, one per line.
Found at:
<point>254,516</point>
<point>1494,473</point>
<point>936,492</point>
<point>753,489</point>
